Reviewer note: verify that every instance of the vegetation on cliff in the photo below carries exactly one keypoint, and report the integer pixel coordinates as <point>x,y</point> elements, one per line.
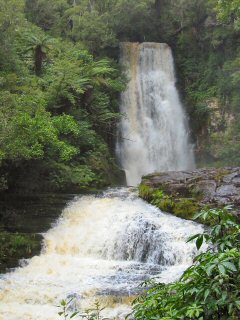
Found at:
<point>59,88</point>
<point>59,93</point>
<point>15,246</point>
<point>58,109</point>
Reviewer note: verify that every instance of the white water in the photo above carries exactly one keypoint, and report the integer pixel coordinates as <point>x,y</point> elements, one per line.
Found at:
<point>153,134</point>
<point>100,247</point>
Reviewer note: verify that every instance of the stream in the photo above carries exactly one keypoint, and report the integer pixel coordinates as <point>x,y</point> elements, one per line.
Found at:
<point>101,248</point>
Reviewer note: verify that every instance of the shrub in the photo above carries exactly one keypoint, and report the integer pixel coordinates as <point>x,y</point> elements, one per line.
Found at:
<point>68,312</point>
<point>209,289</point>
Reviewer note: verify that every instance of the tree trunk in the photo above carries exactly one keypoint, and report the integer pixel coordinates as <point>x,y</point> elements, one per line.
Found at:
<point>39,57</point>
<point>159,6</point>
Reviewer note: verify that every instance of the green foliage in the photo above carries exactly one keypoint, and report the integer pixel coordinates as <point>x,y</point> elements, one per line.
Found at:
<point>11,21</point>
<point>166,204</point>
<point>45,64</point>
<point>226,145</point>
<point>228,11</point>
<point>181,207</point>
<point>57,105</point>
<point>146,192</point>
<point>185,208</point>
<point>52,124</point>
<point>204,35</point>
<point>47,14</point>
<point>16,246</point>
<point>11,13</point>
<point>94,30</point>
<point>97,24</point>
<point>27,130</point>
<point>177,16</point>
<point>209,289</point>
<point>163,201</point>
<point>39,46</point>
<point>63,177</point>
<point>67,312</point>
<point>156,197</point>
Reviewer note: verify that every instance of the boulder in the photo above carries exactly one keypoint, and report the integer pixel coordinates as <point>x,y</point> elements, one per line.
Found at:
<point>202,187</point>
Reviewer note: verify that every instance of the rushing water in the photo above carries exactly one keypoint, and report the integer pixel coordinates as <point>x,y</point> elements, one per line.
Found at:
<point>101,247</point>
<point>104,247</point>
<point>153,134</point>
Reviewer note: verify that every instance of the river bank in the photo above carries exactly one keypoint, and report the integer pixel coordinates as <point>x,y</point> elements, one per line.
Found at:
<point>23,219</point>
<point>183,193</point>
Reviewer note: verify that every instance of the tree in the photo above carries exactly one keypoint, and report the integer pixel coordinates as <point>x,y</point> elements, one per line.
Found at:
<point>228,11</point>
<point>11,14</point>
<point>11,20</point>
<point>102,24</point>
<point>54,128</point>
<point>48,14</point>
<point>39,46</point>
<point>78,84</point>
<point>28,131</point>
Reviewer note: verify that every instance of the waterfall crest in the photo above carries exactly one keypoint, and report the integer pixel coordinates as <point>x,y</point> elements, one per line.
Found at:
<point>153,134</point>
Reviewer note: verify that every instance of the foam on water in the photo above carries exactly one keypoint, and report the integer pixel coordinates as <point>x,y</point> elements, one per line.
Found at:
<point>153,134</point>
<point>102,246</point>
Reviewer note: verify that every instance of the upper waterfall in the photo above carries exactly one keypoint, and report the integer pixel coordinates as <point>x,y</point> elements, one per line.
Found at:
<point>153,134</point>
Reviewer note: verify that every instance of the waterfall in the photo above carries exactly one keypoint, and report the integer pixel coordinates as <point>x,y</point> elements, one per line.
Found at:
<point>153,134</point>
<point>105,246</point>
<point>101,247</point>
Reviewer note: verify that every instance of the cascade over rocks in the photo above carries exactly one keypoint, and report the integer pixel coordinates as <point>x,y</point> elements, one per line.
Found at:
<point>102,246</point>
<point>203,187</point>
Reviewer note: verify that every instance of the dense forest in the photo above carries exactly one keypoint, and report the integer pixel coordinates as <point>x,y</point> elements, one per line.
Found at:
<point>60,82</point>
<point>60,86</point>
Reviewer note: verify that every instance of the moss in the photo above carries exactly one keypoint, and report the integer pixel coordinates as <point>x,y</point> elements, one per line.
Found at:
<point>156,197</point>
<point>146,192</point>
<point>181,207</point>
<point>166,204</point>
<point>196,195</point>
<point>185,208</point>
<point>162,201</point>
<point>220,174</point>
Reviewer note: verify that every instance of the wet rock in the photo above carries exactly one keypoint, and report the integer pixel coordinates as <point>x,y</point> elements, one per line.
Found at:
<point>227,190</point>
<point>200,187</point>
<point>23,218</point>
<point>228,178</point>
<point>236,180</point>
<point>205,187</point>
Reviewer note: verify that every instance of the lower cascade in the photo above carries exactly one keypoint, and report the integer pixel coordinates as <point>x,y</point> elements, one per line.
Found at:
<point>153,134</point>
<point>101,247</point>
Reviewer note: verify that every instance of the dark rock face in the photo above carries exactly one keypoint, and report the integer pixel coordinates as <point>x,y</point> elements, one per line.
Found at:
<point>23,218</point>
<point>209,187</point>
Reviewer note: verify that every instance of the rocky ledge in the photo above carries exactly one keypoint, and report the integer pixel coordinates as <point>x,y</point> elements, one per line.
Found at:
<point>185,192</point>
